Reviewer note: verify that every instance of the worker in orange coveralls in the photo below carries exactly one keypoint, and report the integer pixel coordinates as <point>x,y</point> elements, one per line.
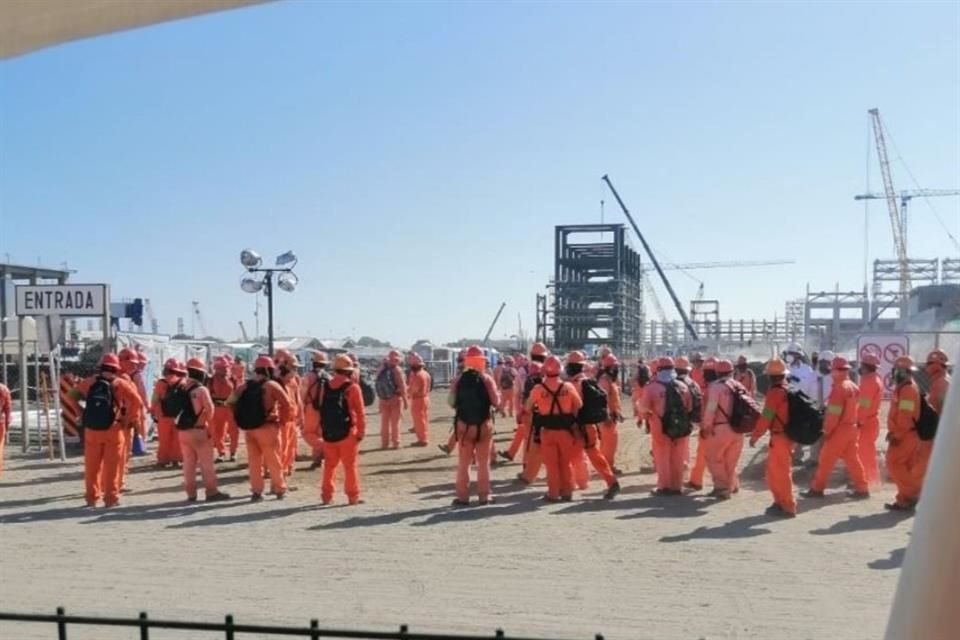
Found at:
<point>527,377</point>
<point>474,397</point>
<point>775,416</point>
<point>263,440</point>
<point>723,444</point>
<point>109,399</point>
<point>288,377</point>
<point>6,411</point>
<point>903,451</point>
<point>391,409</point>
<point>139,381</point>
<point>133,421</point>
<point>221,387</point>
<point>868,417</point>
<point>419,391</point>
<point>553,406</point>
<point>343,425</point>
<point>310,392</point>
<point>939,383</point>
<point>238,371</point>
<point>840,437</point>
<point>707,375</point>
<point>609,431</point>
<point>194,433</point>
<point>505,376</point>
<point>745,376</point>
<point>588,436</point>
<point>671,454</point>
<point>168,445</point>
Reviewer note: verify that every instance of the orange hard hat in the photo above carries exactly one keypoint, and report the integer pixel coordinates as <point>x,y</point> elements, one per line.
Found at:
<point>610,361</point>
<point>576,357</point>
<point>724,366</point>
<point>871,359</point>
<point>904,362</point>
<point>664,363</point>
<point>474,352</point>
<point>221,362</point>
<point>604,352</point>
<point>742,360</point>
<point>110,361</point>
<point>320,357</point>
<point>179,367</point>
<point>142,357</point>
<point>839,364</point>
<point>171,364</point>
<point>538,349</point>
<point>551,367</point>
<point>263,362</point>
<point>710,364</point>
<point>416,360</point>
<point>533,368</point>
<point>681,362</point>
<point>196,364</point>
<point>508,360</point>
<point>128,355</point>
<point>776,367</point>
<point>938,356</point>
<point>343,363</point>
<point>282,355</point>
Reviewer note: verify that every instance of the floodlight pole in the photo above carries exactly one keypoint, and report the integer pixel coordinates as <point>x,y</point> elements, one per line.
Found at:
<point>268,291</point>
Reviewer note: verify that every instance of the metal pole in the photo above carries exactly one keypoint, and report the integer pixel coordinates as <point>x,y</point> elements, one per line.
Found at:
<point>268,291</point>
<point>23,383</point>
<point>55,384</point>
<point>3,325</point>
<point>107,342</point>
<point>36,381</point>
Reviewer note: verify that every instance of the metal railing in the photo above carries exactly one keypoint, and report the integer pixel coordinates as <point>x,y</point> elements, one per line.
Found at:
<point>231,629</point>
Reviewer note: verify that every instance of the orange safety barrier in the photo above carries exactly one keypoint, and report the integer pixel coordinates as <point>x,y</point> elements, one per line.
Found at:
<point>69,408</point>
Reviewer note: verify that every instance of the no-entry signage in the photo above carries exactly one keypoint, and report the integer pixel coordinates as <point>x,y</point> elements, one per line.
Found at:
<point>61,299</point>
<point>887,348</point>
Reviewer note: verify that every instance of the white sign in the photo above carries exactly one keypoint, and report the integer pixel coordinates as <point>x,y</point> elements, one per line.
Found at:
<point>887,348</point>
<point>62,300</point>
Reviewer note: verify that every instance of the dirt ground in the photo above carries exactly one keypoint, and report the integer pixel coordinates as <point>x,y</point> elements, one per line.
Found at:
<point>639,567</point>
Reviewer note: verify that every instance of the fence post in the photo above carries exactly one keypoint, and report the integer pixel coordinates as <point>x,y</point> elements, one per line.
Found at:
<point>314,629</point>
<point>229,627</point>
<point>144,626</point>
<point>61,624</point>
<point>404,630</point>
<point>499,634</point>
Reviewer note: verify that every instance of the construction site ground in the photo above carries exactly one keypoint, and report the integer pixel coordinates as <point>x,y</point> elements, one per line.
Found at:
<point>638,567</point>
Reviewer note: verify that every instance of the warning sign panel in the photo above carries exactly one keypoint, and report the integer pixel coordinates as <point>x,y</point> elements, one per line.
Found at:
<point>887,348</point>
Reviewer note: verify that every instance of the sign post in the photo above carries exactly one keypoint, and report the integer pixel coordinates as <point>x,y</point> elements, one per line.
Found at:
<point>887,348</point>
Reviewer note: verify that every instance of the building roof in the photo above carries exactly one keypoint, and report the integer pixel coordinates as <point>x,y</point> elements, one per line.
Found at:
<point>24,272</point>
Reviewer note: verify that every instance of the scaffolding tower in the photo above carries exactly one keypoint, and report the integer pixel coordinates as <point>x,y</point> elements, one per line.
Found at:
<point>597,289</point>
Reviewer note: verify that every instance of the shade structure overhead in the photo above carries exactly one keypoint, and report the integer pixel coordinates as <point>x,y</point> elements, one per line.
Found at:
<point>28,25</point>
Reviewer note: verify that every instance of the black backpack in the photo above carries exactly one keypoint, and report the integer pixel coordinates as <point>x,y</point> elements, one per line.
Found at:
<point>554,419</point>
<point>926,424</point>
<point>335,418</point>
<point>675,419</point>
<point>323,378</point>
<point>472,402</point>
<point>507,379</point>
<point>528,385</point>
<point>170,403</point>
<point>99,413</point>
<point>187,417</point>
<point>367,391</point>
<point>804,419</point>
<point>696,400</point>
<point>249,412</point>
<point>594,410</point>
<point>745,411</point>
<point>386,384</point>
<point>643,375</point>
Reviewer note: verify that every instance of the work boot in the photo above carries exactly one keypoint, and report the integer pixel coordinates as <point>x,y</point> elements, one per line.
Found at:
<point>219,496</point>
<point>812,493</point>
<point>505,455</point>
<point>567,498</point>
<point>896,506</point>
<point>316,464</point>
<point>457,502</point>
<point>522,480</point>
<point>549,499</point>
<point>617,472</point>
<point>693,485</point>
<point>219,459</point>
<point>485,501</point>
<point>419,444</point>
<point>233,458</point>
<point>191,498</point>
<point>256,497</point>
<point>773,510</point>
<point>661,493</point>
<point>281,495</point>
<point>612,491</point>
<point>859,495</point>
<point>444,448</point>
<point>723,495</point>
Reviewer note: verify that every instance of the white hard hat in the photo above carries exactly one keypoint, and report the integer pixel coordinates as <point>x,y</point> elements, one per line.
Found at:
<point>827,355</point>
<point>793,347</point>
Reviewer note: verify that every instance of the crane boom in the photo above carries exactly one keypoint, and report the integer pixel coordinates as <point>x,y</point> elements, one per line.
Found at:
<point>243,331</point>
<point>656,264</point>
<point>486,338</point>
<point>690,266</point>
<point>896,221</point>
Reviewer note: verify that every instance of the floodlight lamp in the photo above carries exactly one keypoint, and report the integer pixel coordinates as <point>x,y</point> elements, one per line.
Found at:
<point>251,285</point>
<point>250,259</point>
<point>287,258</point>
<point>287,281</point>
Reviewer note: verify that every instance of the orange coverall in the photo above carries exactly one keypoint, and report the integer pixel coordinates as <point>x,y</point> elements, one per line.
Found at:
<point>748,379</point>
<point>588,437</point>
<point>310,393</point>
<point>475,444</point>
<point>168,445</point>
<point>391,411</point>
<point>222,424</point>
<point>197,443</point>
<point>289,433</point>
<point>103,450</point>
<point>723,444</point>
<point>507,398</point>
<point>419,390</point>
<point>557,445</point>
<point>671,456</point>
<point>532,460</point>
<point>903,452</point>
<point>868,417</point>
<point>700,458</point>
<point>263,442</point>
<point>132,424</point>
<point>779,473</point>
<point>6,410</point>
<point>345,451</point>
<point>939,384</point>
<point>840,437</point>
<point>609,431</point>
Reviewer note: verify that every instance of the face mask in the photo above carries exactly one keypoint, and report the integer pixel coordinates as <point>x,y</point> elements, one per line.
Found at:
<point>666,375</point>
<point>613,372</point>
<point>710,376</point>
<point>284,370</point>
<point>573,369</point>
<point>741,367</point>
<point>867,369</point>
<point>824,368</point>
<point>319,367</point>
<point>901,376</point>
<point>196,375</point>
<point>792,359</point>
<point>262,372</point>
<point>540,359</point>
<point>416,367</point>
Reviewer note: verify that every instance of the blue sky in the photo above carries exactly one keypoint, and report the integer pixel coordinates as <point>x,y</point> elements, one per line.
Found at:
<point>417,155</point>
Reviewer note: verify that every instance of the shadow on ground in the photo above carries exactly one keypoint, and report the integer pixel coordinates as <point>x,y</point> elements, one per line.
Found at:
<point>872,522</point>
<point>741,528</point>
<point>895,561</point>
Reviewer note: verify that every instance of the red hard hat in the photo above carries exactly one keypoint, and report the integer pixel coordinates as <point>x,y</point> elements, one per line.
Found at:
<point>263,362</point>
<point>664,363</point>
<point>904,362</point>
<point>551,367</point>
<point>110,361</point>
<point>171,364</point>
<point>775,367</point>
<point>196,364</point>
<point>142,357</point>
<point>938,356</point>
<point>871,359</point>
<point>710,364</point>
<point>724,366</point>
<point>474,352</point>
<point>282,356</point>
<point>681,362</point>
<point>128,355</point>
<point>742,360</point>
<point>576,357</point>
<point>538,349</point>
<point>221,362</point>
<point>610,361</point>
<point>839,364</point>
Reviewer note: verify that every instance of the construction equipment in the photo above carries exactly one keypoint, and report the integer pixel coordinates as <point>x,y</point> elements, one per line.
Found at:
<point>905,198</point>
<point>243,331</point>
<point>691,266</point>
<point>656,264</point>
<point>486,338</point>
<point>199,320</point>
<point>151,318</point>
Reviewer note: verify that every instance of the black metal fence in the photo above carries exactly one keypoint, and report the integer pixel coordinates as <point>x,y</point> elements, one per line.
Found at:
<point>232,630</point>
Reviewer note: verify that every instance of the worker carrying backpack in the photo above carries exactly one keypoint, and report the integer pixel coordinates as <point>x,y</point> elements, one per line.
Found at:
<point>316,389</point>
<point>804,420</point>
<point>594,410</point>
<point>170,403</point>
<point>367,391</point>
<point>386,384</point>
<point>507,377</point>
<point>249,412</point>
<point>335,419</point>
<point>99,414</point>
<point>675,419</point>
<point>187,416</point>
<point>472,400</point>
<point>926,424</point>
<point>555,419</point>
<point>745,411</point>
<point>696,400</point>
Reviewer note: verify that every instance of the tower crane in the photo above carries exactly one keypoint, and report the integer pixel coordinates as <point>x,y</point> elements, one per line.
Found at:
<point>906,197</point>
<point>691,266</point>
<point>151,318</point>
<point>243,331</point>
<point>199,319</point>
